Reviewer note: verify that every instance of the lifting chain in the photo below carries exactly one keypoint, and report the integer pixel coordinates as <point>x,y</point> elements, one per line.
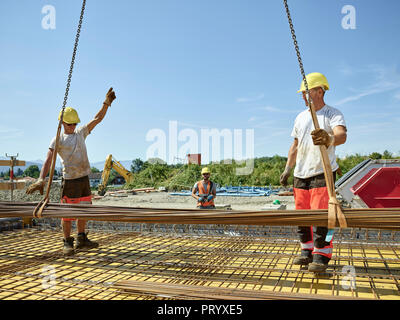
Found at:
<point>71,68</point>
<point>296,47</point>
<point>37,213</point>
<point>334,209</point>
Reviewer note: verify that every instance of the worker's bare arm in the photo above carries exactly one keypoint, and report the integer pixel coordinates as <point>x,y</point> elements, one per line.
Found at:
<point>46,165</point>
<point>292,154</point>
<point>340,135</point>
<point>101,114</point>
<point>194,195</point>
<point>38,185</point>
<point>290,162</point>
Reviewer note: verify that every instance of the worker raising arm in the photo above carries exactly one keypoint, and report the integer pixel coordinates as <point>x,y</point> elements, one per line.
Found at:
<point>76,169</point>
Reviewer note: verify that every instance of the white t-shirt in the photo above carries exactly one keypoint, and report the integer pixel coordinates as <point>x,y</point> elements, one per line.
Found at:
<point>309,160</point>
<point>72,150</point>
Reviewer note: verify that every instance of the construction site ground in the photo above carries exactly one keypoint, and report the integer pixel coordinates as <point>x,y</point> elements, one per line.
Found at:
<point>149,261</point>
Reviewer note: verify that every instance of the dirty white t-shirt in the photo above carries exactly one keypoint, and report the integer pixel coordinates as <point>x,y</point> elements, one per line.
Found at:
<point>72,150</point>
<point>308,160</point>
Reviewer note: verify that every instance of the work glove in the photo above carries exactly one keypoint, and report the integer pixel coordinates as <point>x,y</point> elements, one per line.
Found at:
<point>321,137</point>
<point>201,199</point>
<point>110,97</point>
<point>38,185</point>
<point>210,197</point>
<point>285,176</point>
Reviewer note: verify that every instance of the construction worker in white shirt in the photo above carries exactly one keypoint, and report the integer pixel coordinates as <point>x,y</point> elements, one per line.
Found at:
<point>309,184</point>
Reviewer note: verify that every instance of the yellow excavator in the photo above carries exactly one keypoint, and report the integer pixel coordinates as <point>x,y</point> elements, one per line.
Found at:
<point>111,163</point>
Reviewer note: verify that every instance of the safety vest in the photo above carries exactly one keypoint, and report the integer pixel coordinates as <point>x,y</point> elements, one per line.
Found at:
<point>203,193</point>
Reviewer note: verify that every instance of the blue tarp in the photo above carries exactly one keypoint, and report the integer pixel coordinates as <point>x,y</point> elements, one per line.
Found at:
<point>236,191</point>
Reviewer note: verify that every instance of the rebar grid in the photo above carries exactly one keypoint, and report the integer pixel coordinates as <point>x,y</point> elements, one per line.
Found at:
<point>261,263</point>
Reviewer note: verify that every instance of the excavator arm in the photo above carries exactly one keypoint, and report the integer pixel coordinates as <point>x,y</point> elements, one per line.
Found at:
<point>111,163</point>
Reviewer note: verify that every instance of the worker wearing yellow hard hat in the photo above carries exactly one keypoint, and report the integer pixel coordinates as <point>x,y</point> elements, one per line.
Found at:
<point>76,169</point>
<point>314,80</point>
<point>304,156</point>
<point>205,191</point>
<point>70,116</point>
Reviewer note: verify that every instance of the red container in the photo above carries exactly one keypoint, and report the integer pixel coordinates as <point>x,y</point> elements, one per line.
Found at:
<point>194,158</point>
<point>380,188</point>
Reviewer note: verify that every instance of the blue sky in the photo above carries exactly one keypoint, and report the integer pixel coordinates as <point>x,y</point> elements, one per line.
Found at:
<point>206,64</point>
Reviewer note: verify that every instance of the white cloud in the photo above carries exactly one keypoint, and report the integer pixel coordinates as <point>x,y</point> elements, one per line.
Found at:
<point>397,95</point>
<point>384,79</point>
<point>279,110</point>
<point>251,99</point>
<point>10,133</point>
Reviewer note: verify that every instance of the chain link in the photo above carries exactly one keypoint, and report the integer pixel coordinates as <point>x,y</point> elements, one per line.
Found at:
<point>296,46</point>
<point>71,68</point>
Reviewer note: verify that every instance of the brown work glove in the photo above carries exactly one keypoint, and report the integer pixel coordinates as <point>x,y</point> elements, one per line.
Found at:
<point>38,185</point>
<point>321,137</point>
<point>285,176</point>
<point>110,97</point>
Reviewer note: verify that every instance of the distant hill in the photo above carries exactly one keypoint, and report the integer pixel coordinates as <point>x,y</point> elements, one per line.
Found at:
<point>28,163</point>
<point>99,165</point>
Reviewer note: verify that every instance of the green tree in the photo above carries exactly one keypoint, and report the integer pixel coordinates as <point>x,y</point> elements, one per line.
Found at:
<point>19,172</point>
<point>375,155</point>
<point>32,171</point>
<point>137,165</point>
<point>94,170</point>
<point>387,155</point>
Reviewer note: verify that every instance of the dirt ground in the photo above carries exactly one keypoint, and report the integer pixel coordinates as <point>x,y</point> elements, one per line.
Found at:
<point>157,199</point>
<point>165,200</point>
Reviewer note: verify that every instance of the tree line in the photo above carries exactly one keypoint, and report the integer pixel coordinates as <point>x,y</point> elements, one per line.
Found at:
<point>32,171</point>
<point>157,173</point>
<point>266,172</point>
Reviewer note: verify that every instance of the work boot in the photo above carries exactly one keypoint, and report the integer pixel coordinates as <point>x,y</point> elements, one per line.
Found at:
<point>68,248</point>
<point>319,264</point>
<point>82,242</point>
<point>304,259</point>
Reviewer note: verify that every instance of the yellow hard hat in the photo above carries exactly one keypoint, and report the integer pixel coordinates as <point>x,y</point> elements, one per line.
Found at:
<point>315,80</point>
<point>70,116</point>
<point>205,170</point>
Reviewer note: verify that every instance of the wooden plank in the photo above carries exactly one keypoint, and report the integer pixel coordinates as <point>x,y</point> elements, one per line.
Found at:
<point>8,163</point>
<point>7,185</point>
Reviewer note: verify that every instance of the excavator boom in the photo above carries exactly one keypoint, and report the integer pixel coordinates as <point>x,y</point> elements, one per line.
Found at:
<point>111,163</point>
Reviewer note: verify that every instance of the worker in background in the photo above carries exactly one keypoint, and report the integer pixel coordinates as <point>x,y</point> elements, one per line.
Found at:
<point>205,191</point>
<point>309,186</point>
<point>76,170</point>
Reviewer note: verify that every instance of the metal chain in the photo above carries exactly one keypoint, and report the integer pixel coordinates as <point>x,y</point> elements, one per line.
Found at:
<point>73,56</point>
<point>296,46</point>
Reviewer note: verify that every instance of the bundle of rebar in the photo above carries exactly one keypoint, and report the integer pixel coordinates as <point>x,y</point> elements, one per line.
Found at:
<point>184,291</point>
<point>377,218</point>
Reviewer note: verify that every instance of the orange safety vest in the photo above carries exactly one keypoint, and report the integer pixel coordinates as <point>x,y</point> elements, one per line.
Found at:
<point>203,193</point>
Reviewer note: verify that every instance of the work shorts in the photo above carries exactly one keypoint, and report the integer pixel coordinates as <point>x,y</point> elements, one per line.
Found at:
<point>75,191</point>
